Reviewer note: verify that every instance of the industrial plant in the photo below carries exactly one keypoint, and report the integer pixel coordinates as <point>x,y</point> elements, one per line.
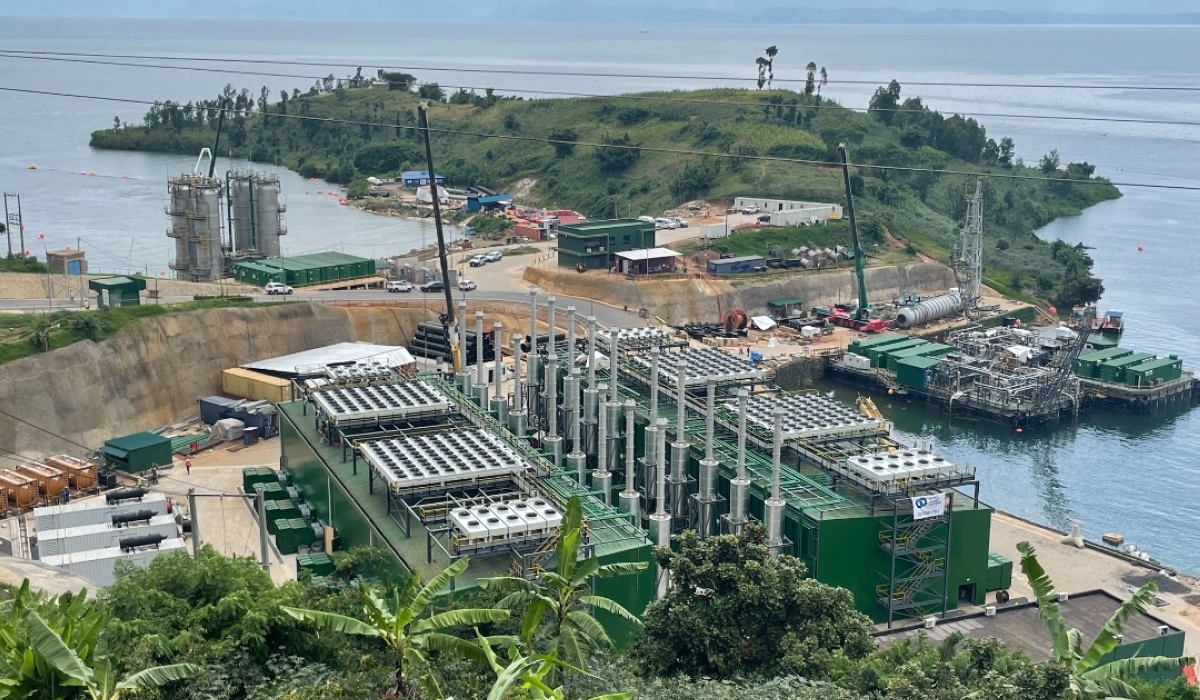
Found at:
<point>654,436</point>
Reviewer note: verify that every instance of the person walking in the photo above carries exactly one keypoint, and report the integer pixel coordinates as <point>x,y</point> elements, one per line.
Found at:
<point>187,464</point>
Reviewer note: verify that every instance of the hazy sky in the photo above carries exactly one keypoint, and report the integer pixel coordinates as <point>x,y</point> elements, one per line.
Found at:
<point>498,9</point>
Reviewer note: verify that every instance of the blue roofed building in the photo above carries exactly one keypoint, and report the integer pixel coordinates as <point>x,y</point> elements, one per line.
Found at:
<point>417,178</point>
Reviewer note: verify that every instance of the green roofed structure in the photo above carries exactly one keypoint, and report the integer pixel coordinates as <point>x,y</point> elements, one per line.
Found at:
<point>593,243</point>
<point>137,453</point>
<point>112,292</point>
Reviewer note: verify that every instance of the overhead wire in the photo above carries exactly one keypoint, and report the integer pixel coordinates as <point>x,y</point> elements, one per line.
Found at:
<point>637,76</point>
<point>4,53</point>
<point>634,147</point>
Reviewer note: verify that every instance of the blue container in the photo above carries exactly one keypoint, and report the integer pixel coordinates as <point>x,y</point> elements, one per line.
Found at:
<point>755,356</point>
<point>249,436</point>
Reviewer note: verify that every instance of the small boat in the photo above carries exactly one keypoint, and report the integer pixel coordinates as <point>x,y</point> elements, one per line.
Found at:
<point>1110,326</point>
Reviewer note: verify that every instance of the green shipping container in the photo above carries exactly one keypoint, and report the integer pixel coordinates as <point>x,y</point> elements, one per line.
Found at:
<point>273,492</point>
<point>1114,370</point>
<point>257,475</point>
<point>859,346</point>
<point>999,572</point>
<point>292,534</point>
<point>927,350</point>
<point>1087,364</point>
<point>879,355</point>
<point>911,371</point>
<point>319,563</point>
<point>1148,373</point>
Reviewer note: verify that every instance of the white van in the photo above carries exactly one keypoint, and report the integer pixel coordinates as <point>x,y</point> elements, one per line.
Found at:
<point>664,223</point>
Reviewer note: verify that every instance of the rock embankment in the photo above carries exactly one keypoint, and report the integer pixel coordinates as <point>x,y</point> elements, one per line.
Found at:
<point>153,371</point>
<point>699,298</point>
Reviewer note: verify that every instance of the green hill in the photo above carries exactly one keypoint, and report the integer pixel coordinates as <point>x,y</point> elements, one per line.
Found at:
<point>739,143</point>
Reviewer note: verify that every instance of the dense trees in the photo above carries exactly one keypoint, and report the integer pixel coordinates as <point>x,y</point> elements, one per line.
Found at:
<point>734,610</point>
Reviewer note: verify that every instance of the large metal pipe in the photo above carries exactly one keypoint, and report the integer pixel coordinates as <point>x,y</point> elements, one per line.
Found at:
<point>660,522</point>
<point>552,334</point>
<point>930,309</point>
<point>679,448</point>
<point>571,335</point>
<point>602,478</point>
<point>481,386</point>
<point>576,459</point>
<point>552,439</point>
<point>739,487</point>
<point>706,494</point>
<point>591,397</point>
<point>614,367</point>
<point>499,402</point>
<point>629,495</point>
<point>654,354</point>
<point>774,505</point>
<point>532,370</point>
<point>464,374</point>
<point>517,418</point>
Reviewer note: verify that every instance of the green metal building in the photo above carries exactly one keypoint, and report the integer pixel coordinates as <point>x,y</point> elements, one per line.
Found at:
<point>1113,370</point>
<point>1087,365</point>
<point>304,270</point>
<point>593,243</point>
<point>138,452</point>
<point>926,350</point>
<point>859,346</point>
<point>346,494</point>
<point>914,372</point>
<point>112,292</point>
<point>1152,371</point>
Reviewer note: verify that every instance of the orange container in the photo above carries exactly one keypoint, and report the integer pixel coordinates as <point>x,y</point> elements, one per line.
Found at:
<point>80,474</point>
<point>22,491</point>
<point>50,480</point>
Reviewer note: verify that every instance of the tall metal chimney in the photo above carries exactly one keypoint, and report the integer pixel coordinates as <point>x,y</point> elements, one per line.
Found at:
<point>706,496</point>
<point>660,522</point>
<point>602,477</point>
<point>576,459</point>
<point>679,449</point>
<point>591,397</point>
<point>739,487</point>
<point>499,402</point>
<point>481,385</point>
<point>552,440</point>
<point>774,505</point>
<point>654,379</point>
<point>517,418</point>
<point>464,374</point>
<point>531,390</point>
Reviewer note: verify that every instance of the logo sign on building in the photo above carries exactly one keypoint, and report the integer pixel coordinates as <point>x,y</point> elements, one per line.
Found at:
<point>930,506</point>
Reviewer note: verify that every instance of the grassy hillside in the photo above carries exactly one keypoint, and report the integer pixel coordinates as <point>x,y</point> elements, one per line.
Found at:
<point>344,134</point>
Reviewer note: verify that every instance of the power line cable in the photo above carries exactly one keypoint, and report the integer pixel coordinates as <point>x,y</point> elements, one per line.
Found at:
<point>638,76</point>
<point>643,97</point>
<point>648,149</point>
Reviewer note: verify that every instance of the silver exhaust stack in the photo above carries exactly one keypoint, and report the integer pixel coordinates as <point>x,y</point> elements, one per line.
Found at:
<point>774,505</point>
<point>739,487</point>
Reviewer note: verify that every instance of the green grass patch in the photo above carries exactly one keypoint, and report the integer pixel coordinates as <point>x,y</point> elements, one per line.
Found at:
<point>20,333</point>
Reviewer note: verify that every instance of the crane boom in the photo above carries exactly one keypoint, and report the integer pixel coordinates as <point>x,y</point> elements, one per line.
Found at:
<point>863,312</point>
<point>448,317</point>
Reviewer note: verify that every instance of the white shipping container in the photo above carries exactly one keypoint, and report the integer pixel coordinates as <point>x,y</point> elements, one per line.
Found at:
<point>94,511</point>
<point>101,536</point>
<point>98,565</point>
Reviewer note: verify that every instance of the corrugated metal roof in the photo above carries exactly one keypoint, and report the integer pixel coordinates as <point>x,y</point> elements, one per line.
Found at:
<point>647,254</point>
<point>136,441</point>
<point>785,302</point>
<point>341,353</point>
<point>741,258</point>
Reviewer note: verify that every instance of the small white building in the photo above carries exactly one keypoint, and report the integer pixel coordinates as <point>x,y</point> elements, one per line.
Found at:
<point>646,261</point>
<point>787,212</point>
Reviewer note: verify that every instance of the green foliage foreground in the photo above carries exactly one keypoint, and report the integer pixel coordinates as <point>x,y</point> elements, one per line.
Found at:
<point>737,625</point>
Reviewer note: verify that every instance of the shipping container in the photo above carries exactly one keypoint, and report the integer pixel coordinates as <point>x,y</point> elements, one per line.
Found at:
<point>879,354</point>
<point>81,474</point>
<point>258,475</point>
<point>94,511</point>
<point>926,350</point>
<point>999,572</point>
<point>731,266</point>
<point>319,563</point>
<point>51,481</point>
<point>913,372</point>
<point>307,270</point>
<point>80,539</point>
<point>1114,370</point>
<point>22,490</point>
<point>98,565</point>
<point>1153,371</point>
<point>859,346</point>
<point>247,384</point>
<point>293,534</point>
<point>1087,365</point>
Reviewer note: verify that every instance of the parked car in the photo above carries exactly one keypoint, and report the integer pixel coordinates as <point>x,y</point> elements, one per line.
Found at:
<point>479,261</point>
<point>680,222</point>
<point>465,285</point>
<point>647,219</point>
<point>277,288</point>
<point>494,256</point>
<point>765,218</point>
<point>399,286</point>
<point>433,286</point>
<point>750,209</point>
<point>662,223</point>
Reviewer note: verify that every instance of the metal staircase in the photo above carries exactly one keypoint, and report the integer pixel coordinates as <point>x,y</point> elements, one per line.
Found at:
<point>916,585</point>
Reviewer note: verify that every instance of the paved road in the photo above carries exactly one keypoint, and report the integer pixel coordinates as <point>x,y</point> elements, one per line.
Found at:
<point>605,315</point>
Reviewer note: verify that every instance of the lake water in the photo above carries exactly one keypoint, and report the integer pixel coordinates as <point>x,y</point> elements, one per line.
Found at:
<point>1114,471</point>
